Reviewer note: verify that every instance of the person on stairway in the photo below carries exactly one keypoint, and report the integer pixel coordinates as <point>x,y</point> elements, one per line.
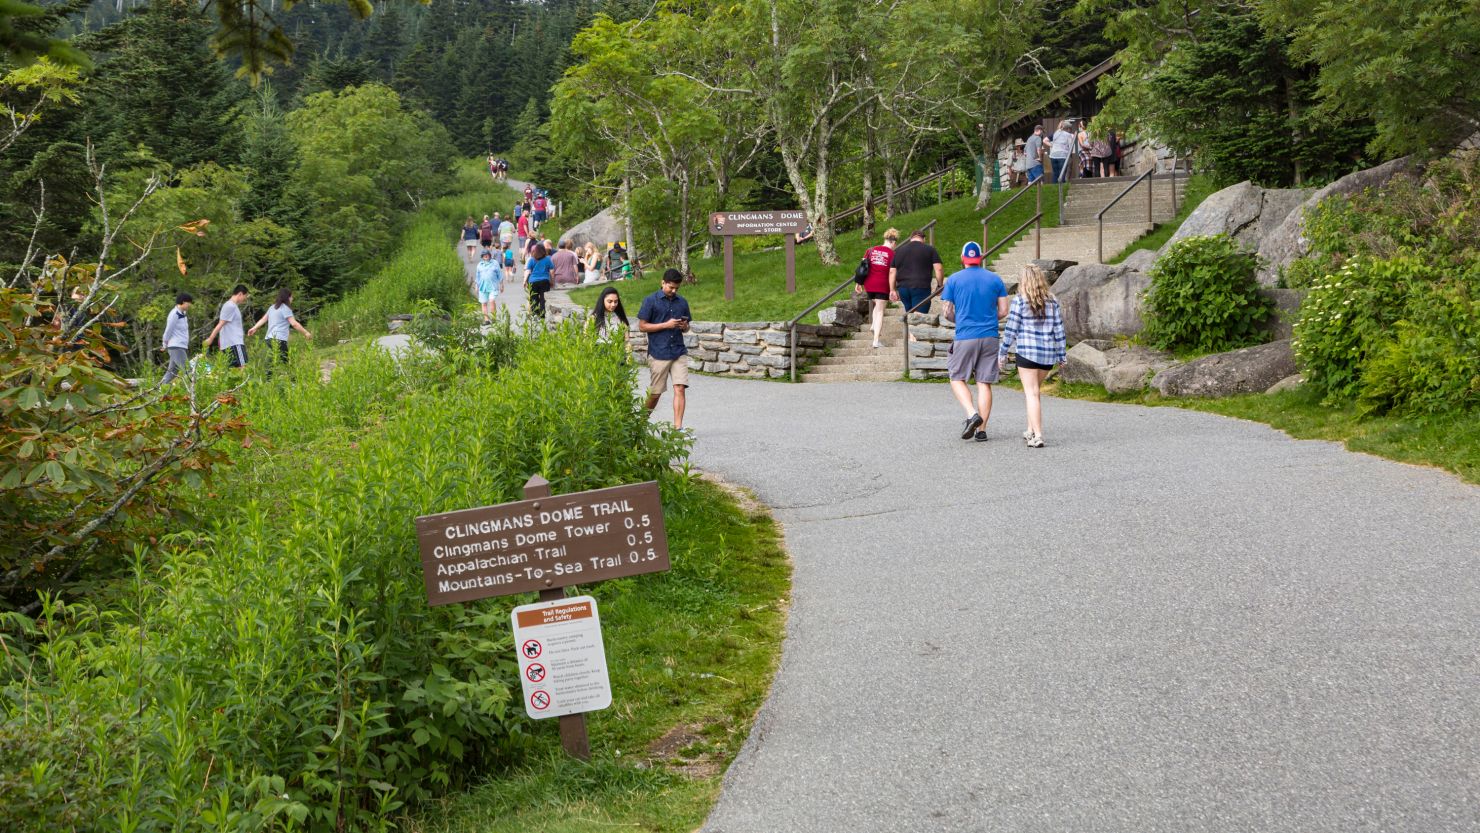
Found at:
<point>880,258</point>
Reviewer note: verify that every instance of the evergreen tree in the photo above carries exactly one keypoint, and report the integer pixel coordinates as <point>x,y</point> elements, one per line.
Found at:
<point>268,155</point>
<point>162,87</point>
<point>384,42</point>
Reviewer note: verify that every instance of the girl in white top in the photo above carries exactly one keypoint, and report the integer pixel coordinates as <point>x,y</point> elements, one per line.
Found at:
<point>593,262</point>
<point>279,319</point>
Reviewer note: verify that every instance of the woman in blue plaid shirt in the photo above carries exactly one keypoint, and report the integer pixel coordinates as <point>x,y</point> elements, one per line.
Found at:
<point>1035,326</point>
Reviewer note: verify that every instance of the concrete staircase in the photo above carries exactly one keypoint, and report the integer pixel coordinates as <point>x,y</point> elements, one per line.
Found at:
<point>1076,238</point>
<point>855,360</point>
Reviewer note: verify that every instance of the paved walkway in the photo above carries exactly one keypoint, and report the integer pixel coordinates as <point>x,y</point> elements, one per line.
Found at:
<point>1164,621</point>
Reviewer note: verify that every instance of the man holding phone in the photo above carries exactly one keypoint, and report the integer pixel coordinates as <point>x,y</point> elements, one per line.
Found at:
<point>664,316</point>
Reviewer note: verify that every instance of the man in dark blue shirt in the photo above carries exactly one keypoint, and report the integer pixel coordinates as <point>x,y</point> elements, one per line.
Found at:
<point>664,316</point>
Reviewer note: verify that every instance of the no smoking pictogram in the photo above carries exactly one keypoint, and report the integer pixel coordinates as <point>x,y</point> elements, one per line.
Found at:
<point>539,700</point>
<point>532,648</point>
<point>535,672</point>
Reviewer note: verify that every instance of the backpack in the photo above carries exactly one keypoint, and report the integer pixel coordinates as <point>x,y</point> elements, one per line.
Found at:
<point>861,273</point>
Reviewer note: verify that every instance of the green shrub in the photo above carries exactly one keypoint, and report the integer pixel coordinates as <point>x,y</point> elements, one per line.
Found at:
<point>1430,363</point>
<point>1203,298</point>
<point>1392,317</point>
<point>279,668</point>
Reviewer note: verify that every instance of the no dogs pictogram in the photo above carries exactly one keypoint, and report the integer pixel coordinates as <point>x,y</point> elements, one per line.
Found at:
<point>532,648</point>
<point>540,700</point>
<point>535,672</point>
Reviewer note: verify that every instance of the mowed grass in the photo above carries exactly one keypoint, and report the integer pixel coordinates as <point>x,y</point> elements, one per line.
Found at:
<point>760,276</point>
<point>1446,441</point>
<point>692,653</point>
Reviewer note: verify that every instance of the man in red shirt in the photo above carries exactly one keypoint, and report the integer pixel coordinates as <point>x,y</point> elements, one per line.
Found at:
<point>879,259</point>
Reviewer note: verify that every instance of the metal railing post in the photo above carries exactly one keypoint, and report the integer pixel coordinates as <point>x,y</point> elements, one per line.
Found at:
<point>793,351</point>
<point>1100,217</point>
<point>1150,202</point>
<point>1038,227</point>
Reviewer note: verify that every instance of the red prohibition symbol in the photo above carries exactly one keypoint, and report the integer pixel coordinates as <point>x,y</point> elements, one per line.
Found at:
<point>532,648</point>
<point>540,700</point>
<point>535,672</point>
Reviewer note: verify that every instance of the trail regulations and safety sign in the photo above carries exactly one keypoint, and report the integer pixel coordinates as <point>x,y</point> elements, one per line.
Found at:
<point>562,662</point>
<point>542,543</point>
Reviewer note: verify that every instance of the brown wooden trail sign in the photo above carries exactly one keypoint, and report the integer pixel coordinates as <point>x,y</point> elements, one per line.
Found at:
<point>728,224</point>
<point>544,543</point>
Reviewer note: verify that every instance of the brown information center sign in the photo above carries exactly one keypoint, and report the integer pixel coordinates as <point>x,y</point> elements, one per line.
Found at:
<point>728,224</point>
<point>542,543</point>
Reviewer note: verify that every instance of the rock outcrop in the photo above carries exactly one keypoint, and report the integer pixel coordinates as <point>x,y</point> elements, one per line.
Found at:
<point>1247,213</point>
<point>1250,370</point>
<point>1123,369</point>
<point>1286,243</point>
<point>604,228</point>
<point>1101,301</point>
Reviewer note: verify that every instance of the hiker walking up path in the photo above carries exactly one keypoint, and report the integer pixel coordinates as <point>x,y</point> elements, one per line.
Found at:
<point>1165,621</point>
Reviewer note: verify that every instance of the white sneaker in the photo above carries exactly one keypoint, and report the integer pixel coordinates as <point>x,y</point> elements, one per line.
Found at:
<point>877,345</point>
<point>1028,434</point>
<point>1035,441</point>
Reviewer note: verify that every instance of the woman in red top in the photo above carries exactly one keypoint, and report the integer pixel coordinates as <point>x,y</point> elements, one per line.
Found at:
<point>879,258</point>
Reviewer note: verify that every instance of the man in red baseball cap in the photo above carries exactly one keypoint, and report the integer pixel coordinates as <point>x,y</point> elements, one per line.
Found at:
<point>976,299</point>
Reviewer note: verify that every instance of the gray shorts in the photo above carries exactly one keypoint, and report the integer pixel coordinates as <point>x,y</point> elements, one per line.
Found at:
<point>974,357</point>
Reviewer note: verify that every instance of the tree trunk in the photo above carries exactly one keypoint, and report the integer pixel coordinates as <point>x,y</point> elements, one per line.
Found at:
<point>891,185</point>
<point>989,154</point>
<point>627,216</point>
<point>685,224</point>
<point>827,250</point>
<point>722,194</point>
<point>816,211</point>
<point>1295,131</point>
<point>868,183</point>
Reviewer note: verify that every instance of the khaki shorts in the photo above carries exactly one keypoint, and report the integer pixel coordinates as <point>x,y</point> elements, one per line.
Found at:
<point>661,370</point>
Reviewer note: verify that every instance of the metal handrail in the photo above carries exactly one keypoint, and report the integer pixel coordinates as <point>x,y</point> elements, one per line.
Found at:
<point>1100,217</point>
<point>792,325</point>
<point>927,229</point>
<point>987,220</point>
<point>926,303</point>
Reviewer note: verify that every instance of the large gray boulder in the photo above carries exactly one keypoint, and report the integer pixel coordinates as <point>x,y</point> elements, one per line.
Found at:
<point>1123,369</point>
<point>1245,212</point>
<point>1286,311</point>
<point>606,227</point>
<point>1140,260</point>
<point>1250,370</point>
<point>1100,301</point>
<point>1286,243</point>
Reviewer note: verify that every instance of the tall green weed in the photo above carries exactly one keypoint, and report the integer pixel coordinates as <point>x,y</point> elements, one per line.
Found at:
<point>279,668</point>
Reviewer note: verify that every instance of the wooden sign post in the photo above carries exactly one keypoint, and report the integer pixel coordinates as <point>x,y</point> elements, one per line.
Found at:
<point>729,224</point>
<point>544,543</point>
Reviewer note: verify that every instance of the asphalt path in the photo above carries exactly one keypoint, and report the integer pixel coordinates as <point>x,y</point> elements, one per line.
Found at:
<point>1163,621</point>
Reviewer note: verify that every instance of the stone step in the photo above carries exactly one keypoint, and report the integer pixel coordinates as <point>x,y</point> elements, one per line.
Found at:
<point>852,377</point>
<point>890,345</point>
<point>893,359</point>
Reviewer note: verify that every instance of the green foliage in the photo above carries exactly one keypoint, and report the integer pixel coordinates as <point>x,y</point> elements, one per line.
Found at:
<point>87,465</point>
<point>426,266</point>
<point>279,667</point>
<point>1410,66</point>
<point>1235,99</point>
<point>363,160</point>
<point>1394,294</point>
<point>161,87</point>
<point>1203,298</point>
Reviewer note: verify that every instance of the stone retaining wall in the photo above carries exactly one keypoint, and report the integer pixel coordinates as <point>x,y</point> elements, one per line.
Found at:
<point>748,348</point>
<point>929,351</point>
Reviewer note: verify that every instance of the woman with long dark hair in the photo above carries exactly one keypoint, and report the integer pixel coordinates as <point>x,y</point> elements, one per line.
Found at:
<point>537,274</point>
<point>609,316</point>
<point>279,319</point>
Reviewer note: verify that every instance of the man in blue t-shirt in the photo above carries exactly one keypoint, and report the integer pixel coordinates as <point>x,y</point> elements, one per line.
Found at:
<point>976,298</point>
<point>664,316</point>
